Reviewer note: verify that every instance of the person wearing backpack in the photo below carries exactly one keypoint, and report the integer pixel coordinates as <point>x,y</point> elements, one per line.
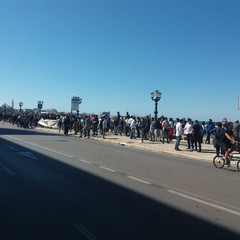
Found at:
<point>217,132</point>
<point>227,141</point>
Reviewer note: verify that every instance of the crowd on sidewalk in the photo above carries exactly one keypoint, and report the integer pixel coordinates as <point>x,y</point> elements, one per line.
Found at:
<point>162,129</point>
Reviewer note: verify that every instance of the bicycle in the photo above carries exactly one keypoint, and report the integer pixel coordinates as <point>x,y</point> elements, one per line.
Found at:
<point>220,162</point>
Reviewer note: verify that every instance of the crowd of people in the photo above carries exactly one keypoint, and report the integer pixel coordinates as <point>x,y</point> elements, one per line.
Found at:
<point>225,134</point>
<point>21,119</point>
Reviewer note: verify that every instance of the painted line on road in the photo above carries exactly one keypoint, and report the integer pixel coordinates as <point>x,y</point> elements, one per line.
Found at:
<point>8,170</point>
<point>45,148</point>
<point>11,147</point>
<point>205,202</point>
<point>85,232</point>
<point>108,169</point>
<point>138,180</point>
<point>85,161</point>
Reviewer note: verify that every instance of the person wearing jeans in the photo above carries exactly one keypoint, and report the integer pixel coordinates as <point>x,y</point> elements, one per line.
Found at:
<point>179,132</point>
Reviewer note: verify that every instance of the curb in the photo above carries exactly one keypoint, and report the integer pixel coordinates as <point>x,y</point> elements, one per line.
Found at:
<point>133,145</point>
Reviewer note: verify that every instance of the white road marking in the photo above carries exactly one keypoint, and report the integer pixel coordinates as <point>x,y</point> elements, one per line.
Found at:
<point>45,148</point>
<point>11,147</point>
<point>27,154</point>
<point>85,161</point>
<point>139,180</point>
<point>108,169</point>
<point>8,170</point>
<point>205,202</point>
<point>85,232</point>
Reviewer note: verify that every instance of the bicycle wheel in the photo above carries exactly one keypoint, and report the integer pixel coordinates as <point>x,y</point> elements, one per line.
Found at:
<point>218,162</point>
<point>238,165</point>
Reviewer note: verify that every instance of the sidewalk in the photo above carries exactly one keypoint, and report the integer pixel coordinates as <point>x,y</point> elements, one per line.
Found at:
<point>207,154</point>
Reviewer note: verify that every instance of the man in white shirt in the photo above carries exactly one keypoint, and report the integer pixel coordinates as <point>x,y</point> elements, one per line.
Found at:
<point>188,132</point>
<point>132,125</point>
<point>179,132</point>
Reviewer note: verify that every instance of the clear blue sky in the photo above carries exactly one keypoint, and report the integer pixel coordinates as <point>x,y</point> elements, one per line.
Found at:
<point>113,53</point>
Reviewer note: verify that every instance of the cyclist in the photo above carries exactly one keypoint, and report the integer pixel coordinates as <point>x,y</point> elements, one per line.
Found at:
<point>227,141</point>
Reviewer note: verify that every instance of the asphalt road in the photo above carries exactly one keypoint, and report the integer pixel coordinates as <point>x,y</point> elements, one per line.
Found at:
<point>58,187</point>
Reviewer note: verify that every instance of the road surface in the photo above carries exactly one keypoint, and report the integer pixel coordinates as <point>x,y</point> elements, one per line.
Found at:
<point>59,187</point>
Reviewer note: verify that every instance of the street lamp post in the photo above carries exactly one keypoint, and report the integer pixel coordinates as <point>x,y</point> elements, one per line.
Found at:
<point>20,105</point>
<point>156,96</point>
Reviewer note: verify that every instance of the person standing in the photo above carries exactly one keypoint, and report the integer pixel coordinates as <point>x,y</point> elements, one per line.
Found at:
<point>115,125</point>
<point>80,126</point>
<point>87,126</point>
<point>142,123</point>
<point>188,132</point>
<point>147,127</point>
<point>157,130</point>
<point>120,126</point>
<point>132,125</point>
<point>178,133</point>
<point>165,129</point>
<point>126,124</point>
<point>210,127</point>
<point>67,124</point>
<point>236,130</point>
<point>217,132</point>
<point>170,130</point>
<point>104,126</point>
<point>152,130</point>
<point>95,125</point>
<point>204,130</point>
<point>60,120</point>
<point>197,128</point>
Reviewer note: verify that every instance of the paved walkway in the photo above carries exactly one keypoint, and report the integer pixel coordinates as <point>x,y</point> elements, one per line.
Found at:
<point>207,154</point>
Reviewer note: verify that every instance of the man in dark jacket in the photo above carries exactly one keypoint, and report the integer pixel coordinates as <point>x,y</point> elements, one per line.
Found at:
<point>210,127</point>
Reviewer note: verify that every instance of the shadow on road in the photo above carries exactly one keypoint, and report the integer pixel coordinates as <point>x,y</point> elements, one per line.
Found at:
<point>21,131</point>
<point>46,197</point>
